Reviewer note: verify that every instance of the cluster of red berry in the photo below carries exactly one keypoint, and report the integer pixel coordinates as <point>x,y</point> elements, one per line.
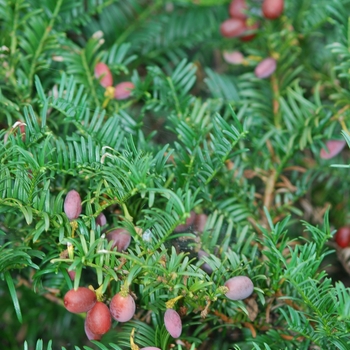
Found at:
<point>122,306</point>
<point>121,91</point>
<point>240,25</point>
<point>98,316</point>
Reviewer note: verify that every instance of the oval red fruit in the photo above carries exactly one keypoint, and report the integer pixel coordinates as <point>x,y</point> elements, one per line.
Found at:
<point>265,68</point>
<point>80,300</point>
<point>233,27</point>
<point>172,322</point>
<point>91,335</point>
<point>205,266</point>
<point>98,319</point>
<point>150,348</point>
<point>233,57</point>
<point>101,220</point>
<point>272,9</point>
<point>71,274</point>
<point>239,287</point>
<point>123,90</point>
<point>342,237</point>
<point>238,8</point>
<point>72,205</point>
<point>103,73</point>
<point>121,239</point>
<point>333,148</point>
<point>122,308</point>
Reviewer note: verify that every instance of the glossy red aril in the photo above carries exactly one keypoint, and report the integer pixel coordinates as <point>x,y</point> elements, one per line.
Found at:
<point>72,205</point>
<point>121,239</point>
<point>103,73</point>
<point>123,90</point>
<point>173,323</point>
<point>71,274</point>
<point>80,300</point>
<point>205,266</point>
<point>265,68</point>
<point>239,287</point>
<point>342,237</point>
<point>333,148</point>
<point>238,8</point>
<point>150,348</point>
<point>101,220</point>
<point>233,57</point>
<point>272,9</point>
<point>233,27</point>
<point>122,308</point>
<point>98,319</point>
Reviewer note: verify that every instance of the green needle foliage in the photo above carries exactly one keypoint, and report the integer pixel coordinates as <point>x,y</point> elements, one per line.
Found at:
<point>198,137</point>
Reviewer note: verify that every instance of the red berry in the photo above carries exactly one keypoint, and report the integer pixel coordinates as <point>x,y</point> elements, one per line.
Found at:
<point>172,322</point>
<point>123,90</point>
<point>101,220</point>
<point>233,57</point>
<point>272,9</point>
<point>122,308</point>
<point>121,239</point>
<point>98,319</point>
<point>205,266</point>
<point>71,274</point>
<point>333,148</point>
<point>265,68</point>
<point>72,205</point>
<point>102,71</point>
<point>91,335</point>
<point>233,27</point>
<point>150,348</point>
<point>238,8</point>
<point>342,237</point>
<point>239,287</point>
<point>80,300</point>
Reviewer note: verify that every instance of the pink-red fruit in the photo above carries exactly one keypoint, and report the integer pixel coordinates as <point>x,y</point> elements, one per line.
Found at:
<point>101,220</point>
<point>272,9</point>
<point>102,71</point>
<point>121,239</point>
<point>80,300</point>
<point>333,148</point>
<point>72,205</point>
<point>233,27</point>
<point>205,266</point>
<point>265,68</point>
<point>150,348</point>
<point>342,237</point>
<point>233,57</point>
<point>172,322</point>
<point>98,319</point>
<point>91,335</point>
<point>237,9</point>
<point>122,91</point>
<point>122,308</point>
<point>239,287</point>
